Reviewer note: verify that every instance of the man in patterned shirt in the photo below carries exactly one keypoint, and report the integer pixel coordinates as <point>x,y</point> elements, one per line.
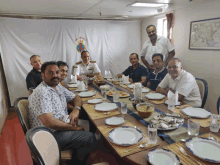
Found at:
<point>48,104</point>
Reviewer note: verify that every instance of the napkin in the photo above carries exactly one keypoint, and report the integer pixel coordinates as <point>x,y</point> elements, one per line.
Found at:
<point>73,79</point>
<point>137,91</point>
<point>172,97</point>
<point>125,79</point>
<point>81,86</point>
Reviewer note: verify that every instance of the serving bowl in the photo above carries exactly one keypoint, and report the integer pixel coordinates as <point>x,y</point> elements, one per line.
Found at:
<point>135,102</point>
<point>145,109</point>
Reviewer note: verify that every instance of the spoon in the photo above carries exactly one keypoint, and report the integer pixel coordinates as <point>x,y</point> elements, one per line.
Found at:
<point>142,145</point>
<point>184,152</point>
<point>183,140</point>
<point>212,138</point>
<point>107,113</point>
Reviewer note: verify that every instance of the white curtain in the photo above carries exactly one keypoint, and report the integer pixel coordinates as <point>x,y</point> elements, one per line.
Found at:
<point>109,42</point>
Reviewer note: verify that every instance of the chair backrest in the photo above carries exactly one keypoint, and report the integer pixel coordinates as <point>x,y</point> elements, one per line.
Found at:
<point>203,88</point>
<point>21,107</point>
<point>218,104</point>
<point>43,145</point>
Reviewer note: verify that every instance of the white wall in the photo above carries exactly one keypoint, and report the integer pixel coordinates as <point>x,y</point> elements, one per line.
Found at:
<point>201,63</point>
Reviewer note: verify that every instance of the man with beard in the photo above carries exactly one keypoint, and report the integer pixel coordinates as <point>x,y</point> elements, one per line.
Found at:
<point>63,71</point>
<point>136,72</point>
<point>48,104</point>
<point>156,44</point>
<point>181,81</point>
<point>34,78</point>
<point>155,77</point>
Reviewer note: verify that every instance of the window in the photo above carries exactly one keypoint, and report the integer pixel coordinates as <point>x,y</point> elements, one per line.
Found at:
<point>162,27</point>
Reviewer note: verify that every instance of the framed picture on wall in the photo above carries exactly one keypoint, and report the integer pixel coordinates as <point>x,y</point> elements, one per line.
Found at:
<point>205,34</point>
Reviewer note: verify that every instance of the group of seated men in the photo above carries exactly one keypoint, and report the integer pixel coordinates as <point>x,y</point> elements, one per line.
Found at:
<point>50,100</point>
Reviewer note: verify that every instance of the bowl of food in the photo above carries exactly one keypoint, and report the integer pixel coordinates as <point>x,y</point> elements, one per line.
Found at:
<point>135,102</point>
<point>145,109</point>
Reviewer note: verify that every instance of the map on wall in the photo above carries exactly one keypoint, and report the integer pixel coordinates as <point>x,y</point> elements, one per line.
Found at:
<point>205,34</point>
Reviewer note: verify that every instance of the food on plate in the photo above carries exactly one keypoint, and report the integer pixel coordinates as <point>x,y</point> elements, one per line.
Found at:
<point>121,93</point>
<point>99,78</point>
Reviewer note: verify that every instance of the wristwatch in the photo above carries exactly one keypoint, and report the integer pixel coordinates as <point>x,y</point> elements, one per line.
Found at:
<point>77,107</point>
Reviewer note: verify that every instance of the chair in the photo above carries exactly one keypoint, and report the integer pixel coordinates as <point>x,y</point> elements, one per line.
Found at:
<point>43,145</point>
<point>21,107</point>
<point>218,105</point>
<point>203,88</point>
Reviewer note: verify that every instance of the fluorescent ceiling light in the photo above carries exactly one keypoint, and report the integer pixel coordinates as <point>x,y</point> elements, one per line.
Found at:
<point>141,4</point>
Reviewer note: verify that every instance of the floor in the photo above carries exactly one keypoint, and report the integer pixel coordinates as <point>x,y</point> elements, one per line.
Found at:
<point>14,149</point>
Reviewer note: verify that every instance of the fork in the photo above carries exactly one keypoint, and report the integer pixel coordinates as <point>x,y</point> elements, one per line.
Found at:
<point>184,152</point>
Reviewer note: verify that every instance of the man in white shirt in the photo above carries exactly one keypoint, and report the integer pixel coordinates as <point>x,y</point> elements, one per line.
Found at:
<point>86,67</point>
<point>156,44</point>
<point>181,81</point>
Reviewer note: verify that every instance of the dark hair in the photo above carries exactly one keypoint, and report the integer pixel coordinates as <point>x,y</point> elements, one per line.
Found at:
<point>84,52</point>
<point>33,56</point>
<point>150,26</point>
<point>135,54</point>
<point>44,66</point>
<point>61,63</point>
<point>158,54</point>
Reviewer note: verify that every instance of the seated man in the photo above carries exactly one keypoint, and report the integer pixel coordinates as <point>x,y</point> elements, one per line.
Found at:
<point>63,67</point>
<point>181,81</point>
<point>34,78</point>
<point>155,77</point>
<point>48,104</point>
<point>136,72</point>
<point>86,67</point>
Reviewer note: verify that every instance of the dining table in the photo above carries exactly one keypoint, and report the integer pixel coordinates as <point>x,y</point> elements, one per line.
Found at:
<point>167,139</point>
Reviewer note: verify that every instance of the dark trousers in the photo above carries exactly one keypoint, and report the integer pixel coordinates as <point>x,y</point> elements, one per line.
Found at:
<point>81,143</point>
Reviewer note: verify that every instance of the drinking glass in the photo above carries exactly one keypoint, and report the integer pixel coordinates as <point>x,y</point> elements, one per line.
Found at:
<point>124,109</point>
<point>104,94</point>
<point>108,75</point>
<point>115,97</point>
<point>121,82</point>
<point>193,128</point>
<point>171,104</point>
<point>85,80</point>
<point>152,134</point>
<point>214,123</point>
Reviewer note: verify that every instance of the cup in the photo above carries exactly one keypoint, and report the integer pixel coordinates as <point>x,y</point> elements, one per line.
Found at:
<point>193,128</point>
<point>152,134</point>
<point>104,94</point>
<point>124,107</point>
<point>115,97</point>
<point>121,81</point>
<point>171,104</point>
<point>214,123</point>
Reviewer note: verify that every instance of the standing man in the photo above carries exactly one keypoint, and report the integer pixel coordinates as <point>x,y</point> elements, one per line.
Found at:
<point>181,81</point>
<point>34,78</point>
<point>86,67</point>
<point>155,77</point>
<point>156,44</point>
<point>47,106</point>
<point>136,72</point>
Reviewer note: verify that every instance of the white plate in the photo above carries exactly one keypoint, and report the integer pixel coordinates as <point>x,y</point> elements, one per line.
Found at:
<point>178,103</point>
<point>126,83</point>
<point>155,96</point>
<point>94,101</point>
<point>131,86</point>
<point>196,112</point>
<point>204,148</point>
<point>145,90</point>
<point>86,94</point>
<point>125,136</point>
<point>77,90</point>
<point>162,157</point>
<point>115,121</point>
<point>72,85</point>
<point>105,106</point>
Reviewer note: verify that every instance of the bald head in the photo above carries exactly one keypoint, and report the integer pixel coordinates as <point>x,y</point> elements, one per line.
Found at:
<point>175,67</point>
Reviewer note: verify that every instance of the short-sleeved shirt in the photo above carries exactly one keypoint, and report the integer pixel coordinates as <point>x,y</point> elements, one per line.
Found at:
<point>155,79</point>
<point>45,99</point>
<point>162,46</point>
<point>185,84</point>
<point>136,74</point>
<point>83,69</point>
<point>33,78</point>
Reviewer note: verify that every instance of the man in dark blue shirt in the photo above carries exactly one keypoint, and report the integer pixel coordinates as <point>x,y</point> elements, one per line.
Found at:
<point>136,72</point>
<point>155,77</point>
<point>34,78</point>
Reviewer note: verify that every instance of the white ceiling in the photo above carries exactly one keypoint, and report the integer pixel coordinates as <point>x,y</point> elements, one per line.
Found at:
<point>90,9</point>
